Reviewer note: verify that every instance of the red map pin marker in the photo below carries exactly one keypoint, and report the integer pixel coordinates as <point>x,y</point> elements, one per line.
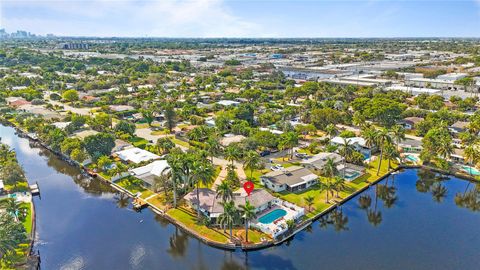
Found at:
<point>248,186</point>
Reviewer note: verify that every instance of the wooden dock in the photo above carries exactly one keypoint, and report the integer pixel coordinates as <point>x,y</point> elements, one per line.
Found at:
<point>35,189</point>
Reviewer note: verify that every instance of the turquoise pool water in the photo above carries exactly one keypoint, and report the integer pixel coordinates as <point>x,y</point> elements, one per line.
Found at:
<point>351,176</point>
<point>470,170</point>
<point>411,158</point>
<point>272,216</point>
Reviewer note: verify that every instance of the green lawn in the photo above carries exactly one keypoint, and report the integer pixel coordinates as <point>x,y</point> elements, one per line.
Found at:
<point>320,203</point>
<point>132,184</point>
<point>139,142</point>
<point>180,142</point>
<point>27,222</point>
<point>189,219</point>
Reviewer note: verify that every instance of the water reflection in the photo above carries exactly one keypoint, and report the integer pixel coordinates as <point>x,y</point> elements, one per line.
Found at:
<point>83,223</point>
<point>470,198</point>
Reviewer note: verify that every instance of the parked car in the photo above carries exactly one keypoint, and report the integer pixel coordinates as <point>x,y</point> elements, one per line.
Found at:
<point>277,167</point>
<point>302,155</point>
<point>265,153</point>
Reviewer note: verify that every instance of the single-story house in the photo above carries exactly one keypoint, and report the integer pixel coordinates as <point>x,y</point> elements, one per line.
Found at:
<point>458,127</point>
<point>231,138</point>
<point>227,103</point>
<point>136,155</point>
<point>293,179</point>
<point>148,172</point>
<point>318,161</point>
<point>458,156</point>
<point>358,144</point>
<point>410,146</point>
<point>120,145</point>
<point>211,206</point>
<point>410,122</point>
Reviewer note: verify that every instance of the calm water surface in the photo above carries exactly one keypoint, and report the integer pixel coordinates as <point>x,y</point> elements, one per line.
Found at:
<point>412,220</point>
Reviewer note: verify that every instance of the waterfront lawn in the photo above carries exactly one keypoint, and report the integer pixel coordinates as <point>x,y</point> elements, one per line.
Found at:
<point>18,187</point>
<point>371,171</point>
<point>147,193</point>
<point>189,219</point>
<point>320,195</point>
<point>27,221</point>
<point>132,184</point>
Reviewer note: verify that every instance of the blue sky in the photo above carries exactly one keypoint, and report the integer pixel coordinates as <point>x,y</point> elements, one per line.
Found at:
<point>244,18</point>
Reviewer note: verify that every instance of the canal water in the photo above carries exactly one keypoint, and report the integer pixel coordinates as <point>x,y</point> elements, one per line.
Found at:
<point>412,220</point>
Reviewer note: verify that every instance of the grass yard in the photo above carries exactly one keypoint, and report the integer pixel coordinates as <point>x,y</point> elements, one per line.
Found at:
<point>27,222</point>
<point>189,219</point>
<point>139,142</point>
<point>217,172</point>
<point>180,142</point>
<point>320,195</point>
<point>131,184</point>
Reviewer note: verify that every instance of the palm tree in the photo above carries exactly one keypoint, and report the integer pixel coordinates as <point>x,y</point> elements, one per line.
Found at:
<point>445,148</point>
<point>251,162</point>
<point>12,233</point>
<point>161,181</point>
<point>229,216</point>
<point>391,154</point>
<point>331,130</point>
<point>328,186</point>
<point>330,168</point>
<point>398,134</point>
<point>232,153</point>
<point>471,155</point>
<point>224,191</point>
<point>339,185</point>
<point>12,206</point>
<point>309,200</point>
<point>213,147</point>
<point>370,137</point>
<point>203,174</point>
<point>248,213</point>
<point>346,150</point>
<point>382,138</point>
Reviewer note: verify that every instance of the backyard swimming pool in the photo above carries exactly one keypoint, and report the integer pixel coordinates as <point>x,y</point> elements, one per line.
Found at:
<point>272,216</point>
<point>471,170</point>
<point>411,158</point>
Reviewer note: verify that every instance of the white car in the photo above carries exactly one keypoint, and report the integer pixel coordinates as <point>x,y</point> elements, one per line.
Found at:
<point>277,167</point>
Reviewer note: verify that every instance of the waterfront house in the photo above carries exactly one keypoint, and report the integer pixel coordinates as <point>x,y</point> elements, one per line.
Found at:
<point>211,206</point>
<point>358,143</point>
<point>148,172</point>
<point>410,146</point>
<point>318,161</point>
<point>294,178</point>
<point>136,155</point>
<point>458,156</point>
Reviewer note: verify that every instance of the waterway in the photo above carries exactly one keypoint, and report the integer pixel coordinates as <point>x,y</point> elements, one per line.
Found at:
<point>412,220</point>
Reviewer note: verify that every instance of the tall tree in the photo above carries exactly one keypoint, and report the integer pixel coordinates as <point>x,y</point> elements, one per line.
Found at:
<point>248,212</point>
<point>383,138</point>
<point>251,162</point>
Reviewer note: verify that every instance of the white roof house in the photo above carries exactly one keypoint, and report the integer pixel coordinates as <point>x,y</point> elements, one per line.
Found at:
<point>136,155</point>
<point>354,140</point>
<point>148,172</point>
<point>155,168</point>
<point>228,102</point>
<point>1,185</point>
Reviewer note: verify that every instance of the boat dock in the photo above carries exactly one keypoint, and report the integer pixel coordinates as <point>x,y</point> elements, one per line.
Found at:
<point>35,189</point>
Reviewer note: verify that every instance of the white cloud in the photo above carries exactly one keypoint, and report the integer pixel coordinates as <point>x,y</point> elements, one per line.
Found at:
<point>172,18</point>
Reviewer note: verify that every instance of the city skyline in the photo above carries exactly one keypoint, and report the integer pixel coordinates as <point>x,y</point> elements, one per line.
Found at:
<point>221,18</point>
